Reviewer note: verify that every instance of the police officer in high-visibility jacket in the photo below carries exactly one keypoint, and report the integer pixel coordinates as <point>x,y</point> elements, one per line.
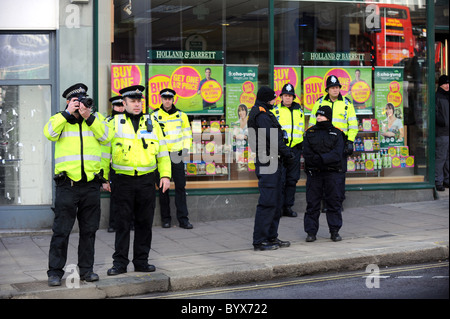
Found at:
<point>138,149</point>
<point>290,116</point>
<point>178,135</point>
<point>117,107</point>
<point>78,132</point>
<point>344,117</point>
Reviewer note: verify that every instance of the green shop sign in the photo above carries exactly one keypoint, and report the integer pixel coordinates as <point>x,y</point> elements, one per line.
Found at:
<point>184,55</point>
<point>333,56</point>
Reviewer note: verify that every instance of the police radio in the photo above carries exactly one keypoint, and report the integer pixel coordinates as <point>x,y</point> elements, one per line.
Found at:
<point>149,129</point>
<point>149,125</point>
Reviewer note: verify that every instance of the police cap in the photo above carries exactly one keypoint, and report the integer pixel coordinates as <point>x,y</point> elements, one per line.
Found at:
<point>288,89</point>
<point>169,93</point>
<point>116,100</point>
<point>133,92</point>
<point>74,91</point>
<point>332,80</point>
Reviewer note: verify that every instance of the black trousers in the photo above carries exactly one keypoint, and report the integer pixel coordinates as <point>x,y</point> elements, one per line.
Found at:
<point>135,199</point>
<point>179,180</point>
<point>81,201</point>
<point>112,199</point>
<point>290,174</point>
<point>268,210</point>
<point>326,186</point>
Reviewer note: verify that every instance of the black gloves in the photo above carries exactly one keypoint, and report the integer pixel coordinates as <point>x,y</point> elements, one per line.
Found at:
<point>348,150</point>
<point>317,160</point>
<point>289,159</point>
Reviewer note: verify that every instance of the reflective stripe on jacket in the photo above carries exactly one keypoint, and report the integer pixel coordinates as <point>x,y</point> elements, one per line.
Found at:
<point>176,127</point>
<point>141,152</point>
<point>292,121</point>
<point>78,145</point>
<point>344,115</point>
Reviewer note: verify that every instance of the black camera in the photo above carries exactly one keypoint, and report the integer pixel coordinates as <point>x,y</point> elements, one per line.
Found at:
<point>86,100</point>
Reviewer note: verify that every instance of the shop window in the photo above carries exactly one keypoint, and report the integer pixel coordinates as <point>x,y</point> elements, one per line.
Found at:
<point>24,56</point>
<point>25,106</point>
<point>25,154</point>
<point>198,49</point>
<point>174,40</point>
<point>377,51</point>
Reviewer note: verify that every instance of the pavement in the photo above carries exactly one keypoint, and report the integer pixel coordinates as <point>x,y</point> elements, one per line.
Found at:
<point>220,253</point>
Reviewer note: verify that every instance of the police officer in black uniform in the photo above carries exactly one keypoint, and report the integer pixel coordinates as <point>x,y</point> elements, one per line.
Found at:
<point>266,139</point>
<point>325,161</point>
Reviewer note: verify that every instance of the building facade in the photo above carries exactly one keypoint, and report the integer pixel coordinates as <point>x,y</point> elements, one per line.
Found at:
<point>216,54</point>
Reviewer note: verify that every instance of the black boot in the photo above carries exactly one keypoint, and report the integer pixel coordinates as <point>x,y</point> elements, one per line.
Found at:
<point>335,236</point>
<point>265,245</point>
<point>279,242</point>
<point>289,212</point>
<point>310,238</point>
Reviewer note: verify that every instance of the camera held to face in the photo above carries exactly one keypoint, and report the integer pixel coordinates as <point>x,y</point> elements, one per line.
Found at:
<point>86,100</point>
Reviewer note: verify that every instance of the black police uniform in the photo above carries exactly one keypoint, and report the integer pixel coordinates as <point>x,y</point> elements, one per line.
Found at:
<point>268,171</point>
<point>323,150</point>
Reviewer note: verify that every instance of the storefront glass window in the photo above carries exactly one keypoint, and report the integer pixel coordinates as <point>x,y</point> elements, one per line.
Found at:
<point>25,154</point>
<point>24,56</point>
<point>184,44</point>
<point>378,51</point>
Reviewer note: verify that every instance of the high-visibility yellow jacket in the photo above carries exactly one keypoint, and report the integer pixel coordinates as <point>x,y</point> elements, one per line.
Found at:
<point>176,127</point>
<point>141,152</point>
<point>292,121</point>
<point>344,115</point>
<point>78,144</point>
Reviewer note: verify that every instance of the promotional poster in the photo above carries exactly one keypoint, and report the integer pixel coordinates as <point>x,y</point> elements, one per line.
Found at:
<point>199,87</point>
<point>242,85</point>
<point>356,85</point>
<point>389,105</point>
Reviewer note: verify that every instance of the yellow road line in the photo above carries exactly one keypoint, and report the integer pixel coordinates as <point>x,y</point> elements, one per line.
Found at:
<point>295,282</point>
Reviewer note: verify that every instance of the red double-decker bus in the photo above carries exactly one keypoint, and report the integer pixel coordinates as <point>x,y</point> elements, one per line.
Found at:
<point>394,41</point>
